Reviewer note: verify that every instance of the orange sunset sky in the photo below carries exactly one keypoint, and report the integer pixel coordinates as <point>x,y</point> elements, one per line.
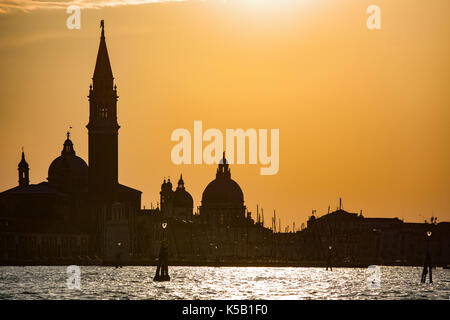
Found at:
<point>363,114</point>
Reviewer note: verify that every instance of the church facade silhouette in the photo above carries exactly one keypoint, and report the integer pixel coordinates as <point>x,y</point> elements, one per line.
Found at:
<point>83,215</point>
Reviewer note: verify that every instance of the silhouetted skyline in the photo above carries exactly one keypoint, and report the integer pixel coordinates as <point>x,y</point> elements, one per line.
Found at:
<point>362,114</point>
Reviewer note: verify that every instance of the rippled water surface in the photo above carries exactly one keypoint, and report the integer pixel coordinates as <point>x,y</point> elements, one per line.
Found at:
<point>43,282</point>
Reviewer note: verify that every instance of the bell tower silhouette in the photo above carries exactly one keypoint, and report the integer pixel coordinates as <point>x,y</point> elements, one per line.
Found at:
<point>103,130</point>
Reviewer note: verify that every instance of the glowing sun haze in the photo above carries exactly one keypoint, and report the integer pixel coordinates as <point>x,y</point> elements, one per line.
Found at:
<point>363,114</point>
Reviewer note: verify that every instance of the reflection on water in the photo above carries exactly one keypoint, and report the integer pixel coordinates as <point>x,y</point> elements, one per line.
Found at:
<point>221,283</point>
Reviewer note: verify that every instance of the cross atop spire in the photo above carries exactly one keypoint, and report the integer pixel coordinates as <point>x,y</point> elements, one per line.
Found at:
<point>102,25</point>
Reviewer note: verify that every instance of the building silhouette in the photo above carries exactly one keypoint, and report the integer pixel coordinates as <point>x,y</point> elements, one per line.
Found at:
<point>37,220</point>
<point>89,199</point>
<point>223,199</point>
<point>176,203</point>
<point>83,215</point>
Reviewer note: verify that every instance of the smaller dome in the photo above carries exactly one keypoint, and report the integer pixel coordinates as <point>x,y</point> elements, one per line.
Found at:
<point>182,198</point>
<point>68,170</point>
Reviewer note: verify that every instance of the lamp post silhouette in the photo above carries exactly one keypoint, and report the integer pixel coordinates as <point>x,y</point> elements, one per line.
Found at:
<point>162,269</point>
<point>329,265</point>
<point>427,266</point>
<point>164,226</point>
<point>118,265</point>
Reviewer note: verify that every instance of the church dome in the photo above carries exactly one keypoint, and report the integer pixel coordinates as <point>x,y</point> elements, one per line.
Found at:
<point>182,198</point>
<point>68,170</point>
<point>223,191</point>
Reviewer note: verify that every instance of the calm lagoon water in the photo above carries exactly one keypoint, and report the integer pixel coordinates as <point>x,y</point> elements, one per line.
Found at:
<point>50,282</point>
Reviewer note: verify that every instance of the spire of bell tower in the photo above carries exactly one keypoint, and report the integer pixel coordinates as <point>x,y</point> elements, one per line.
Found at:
<point>103,92</point>
<point>103,76</point>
